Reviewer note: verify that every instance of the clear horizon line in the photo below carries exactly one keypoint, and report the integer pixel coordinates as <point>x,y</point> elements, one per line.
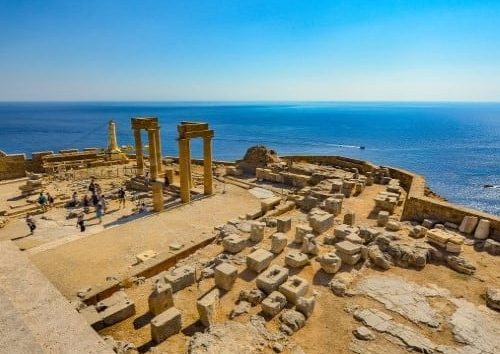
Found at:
<point>249,101</point>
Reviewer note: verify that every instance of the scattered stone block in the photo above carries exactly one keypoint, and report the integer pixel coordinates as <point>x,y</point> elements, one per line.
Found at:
<point>253,296</point>
<point>348,247</point>
<point>269,203</point>
<point>309,203</point>
<point>306,305</point>
<point>180,278</point>
<point>116,308</point>
<point>301,231</point>
<point>321,222</point>
<point>350,259</point>
<point>338,288</point>
<point>292,321</point>
<point>294,288</point>
<point>355,239</point>
<point>225,275</point>
<point>429,223</point>
<point>460,265</point>
<point>278,242</point>
<point>363,333</point>
<point>330,263</point>
<point>272,278</point>
<point>257,231</point>
<point>241,308</point>
<point>418,231</point>
<point>309,245</point>
<point>233,243</point>
<point>438,237</point>
<point>492,247</point>
<point>468,224</point>
<point>350,218</point>
<point>393,225</point>
<point>296,259</point>
<point>382,218</point>
<point>274,303</point>
<point>259,260</point>
<point>207,307</point>
<point>284,224</point>
<point>454,244</point>
<point>450,225</point>
<point>161,298</point>
<point>342,231</point>
<point>166,324</point>
<point>333,206</point>
<point>493,298</point>
<point>145,256</point>
<point>482,230</point>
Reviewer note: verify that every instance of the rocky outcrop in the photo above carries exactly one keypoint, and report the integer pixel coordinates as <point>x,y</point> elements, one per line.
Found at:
<point>257,156</point>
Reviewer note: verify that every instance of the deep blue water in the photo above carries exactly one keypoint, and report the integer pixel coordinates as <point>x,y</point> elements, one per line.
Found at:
<point>456,146</point>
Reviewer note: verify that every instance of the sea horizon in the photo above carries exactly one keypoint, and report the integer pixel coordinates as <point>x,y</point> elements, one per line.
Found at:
<point>453,144</point>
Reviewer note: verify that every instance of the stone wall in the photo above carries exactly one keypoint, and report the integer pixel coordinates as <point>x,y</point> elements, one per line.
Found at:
<point>362,166</point>
<point>12,166</point>
<point>418,207</point>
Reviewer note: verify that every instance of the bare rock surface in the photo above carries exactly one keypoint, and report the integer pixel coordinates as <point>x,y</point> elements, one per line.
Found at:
<point>235,337</point>
<point>406,298</point>
<point>476,326</point>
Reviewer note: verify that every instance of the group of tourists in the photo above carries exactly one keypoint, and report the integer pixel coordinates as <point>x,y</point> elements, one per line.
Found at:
<point>45,201</point>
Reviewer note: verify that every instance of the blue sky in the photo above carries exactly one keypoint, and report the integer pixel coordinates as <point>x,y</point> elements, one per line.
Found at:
<point>250,50</point>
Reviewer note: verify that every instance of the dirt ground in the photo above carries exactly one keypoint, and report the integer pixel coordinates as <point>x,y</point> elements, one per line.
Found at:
<point>329,329</point>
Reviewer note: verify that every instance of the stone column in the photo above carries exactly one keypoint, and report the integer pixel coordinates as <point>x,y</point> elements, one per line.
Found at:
<point>153,169</point>
<point>112,144</point>
<point>207,166</point>
<point>184,170</point>
<point>139,157</point>
<point>159,164</point>
<point>188,158</point>
<point>157,196</point>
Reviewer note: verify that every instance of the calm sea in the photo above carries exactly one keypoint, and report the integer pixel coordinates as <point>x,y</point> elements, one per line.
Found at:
<point>456,146</point>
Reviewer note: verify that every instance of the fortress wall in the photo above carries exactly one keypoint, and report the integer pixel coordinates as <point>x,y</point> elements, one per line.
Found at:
<point>12,166</point>
<point>344,162</point>
<point>35,164</point>
<point>418,207</point>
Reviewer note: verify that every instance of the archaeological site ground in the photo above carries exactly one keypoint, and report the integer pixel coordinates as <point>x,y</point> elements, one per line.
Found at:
<point>267,254</point>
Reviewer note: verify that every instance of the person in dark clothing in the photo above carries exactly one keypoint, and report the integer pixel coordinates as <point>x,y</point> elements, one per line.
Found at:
<point>121,197</point>
<point>92,186</point>
<point>31,223</point>
<point>80,222</point>
<point>95,199</point>
<point>167,182</point>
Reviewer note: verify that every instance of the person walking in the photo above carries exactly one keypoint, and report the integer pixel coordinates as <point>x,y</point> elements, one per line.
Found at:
<point>31,223</point>
<point>167,182</point>
<point>50,200</point>
<point>80,221</point>
<point>121,197</point>
<point>92,186</point>
<point>99,211</point>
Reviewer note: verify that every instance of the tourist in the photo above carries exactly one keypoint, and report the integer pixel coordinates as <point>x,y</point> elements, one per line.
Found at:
<point>146,177</point>
<point>50,200</point>
<point>86,203</point>
<point>98,189</point>
<point>95,199</point>
<point>103,202</point>
<point>80,221</point>
<point>99,211</point>
<point>142,208</point>
<point>31,223</point>
<point>92,186</point>
<point>74,200</point>
<point>121,197</point>
<point>42,200</point>
<point>167,182</point>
